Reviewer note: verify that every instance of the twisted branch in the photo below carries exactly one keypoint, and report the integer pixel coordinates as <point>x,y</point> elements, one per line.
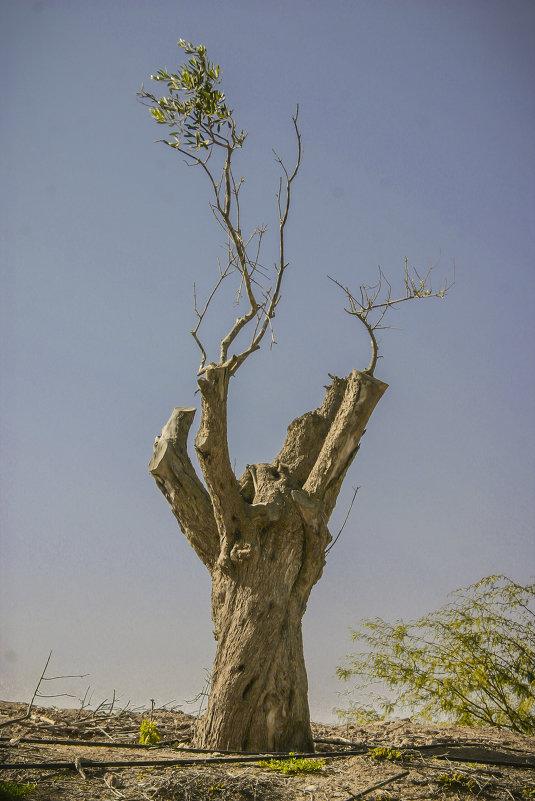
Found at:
<point>378,298</point>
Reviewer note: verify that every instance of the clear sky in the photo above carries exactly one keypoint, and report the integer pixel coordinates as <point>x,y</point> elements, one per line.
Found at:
<point>418,126</point>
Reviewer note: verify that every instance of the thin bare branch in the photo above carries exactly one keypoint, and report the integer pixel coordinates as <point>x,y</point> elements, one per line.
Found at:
<point>200,315</point>
<point>248,266</point>
<point>283,217</point>
<point>346,518</point>
<point>37,694</point>
<point>375,299</point>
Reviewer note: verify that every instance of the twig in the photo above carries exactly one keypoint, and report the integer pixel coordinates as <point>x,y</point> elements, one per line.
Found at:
<point>110,780</point>
<point>376,299</point>
<point>30,705</point>
<point>203,694</point>
<point>346,518</point>
<point>378,785</point>
<point>104,732</point>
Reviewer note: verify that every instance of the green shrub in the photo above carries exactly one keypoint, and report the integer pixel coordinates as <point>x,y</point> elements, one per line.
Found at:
<point>472,662</point>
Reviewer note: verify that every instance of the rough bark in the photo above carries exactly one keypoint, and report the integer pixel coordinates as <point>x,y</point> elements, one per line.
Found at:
<point>175,476</point>
<point>263,538</point>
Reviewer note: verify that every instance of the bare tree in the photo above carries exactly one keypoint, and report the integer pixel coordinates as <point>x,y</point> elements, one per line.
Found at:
<point>263,536</point>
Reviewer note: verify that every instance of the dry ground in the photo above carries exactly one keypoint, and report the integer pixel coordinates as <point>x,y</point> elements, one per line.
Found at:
<point>437,762</point>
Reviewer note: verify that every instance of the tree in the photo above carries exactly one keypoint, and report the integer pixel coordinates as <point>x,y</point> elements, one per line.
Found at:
<point>470,662</point>
<point>263,536</point>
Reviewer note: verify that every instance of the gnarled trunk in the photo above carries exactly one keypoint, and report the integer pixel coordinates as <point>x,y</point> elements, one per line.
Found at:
<point>263,539</point>
<point>258,699</point>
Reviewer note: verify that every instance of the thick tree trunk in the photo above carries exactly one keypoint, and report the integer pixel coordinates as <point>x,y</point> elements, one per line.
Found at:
<point>263,539</point>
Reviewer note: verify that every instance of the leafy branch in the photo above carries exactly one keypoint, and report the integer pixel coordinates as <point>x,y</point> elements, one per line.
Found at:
<point>202,128</point>
<point>375,300</point>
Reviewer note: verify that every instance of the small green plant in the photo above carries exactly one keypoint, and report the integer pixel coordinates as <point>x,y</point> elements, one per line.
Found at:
<point>392,754</point>
<point>9,790</point>
<point>148,733</point>
<point>293,765</point>
<point>456,781</point>
<point>528,792</point>
<point>471,662</point>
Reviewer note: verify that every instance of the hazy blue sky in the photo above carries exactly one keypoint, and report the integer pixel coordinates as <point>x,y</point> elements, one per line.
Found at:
<point>418,126</point>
